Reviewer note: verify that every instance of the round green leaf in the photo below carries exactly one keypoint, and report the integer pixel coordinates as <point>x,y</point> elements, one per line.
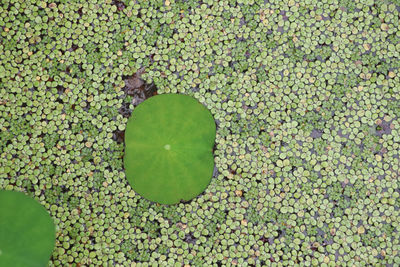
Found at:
<point>168,148</point>
<point>27,232</point>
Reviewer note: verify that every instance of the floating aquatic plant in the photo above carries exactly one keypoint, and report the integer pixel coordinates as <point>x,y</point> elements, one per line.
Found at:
<point>168,148</point>
<point>27,232</point>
